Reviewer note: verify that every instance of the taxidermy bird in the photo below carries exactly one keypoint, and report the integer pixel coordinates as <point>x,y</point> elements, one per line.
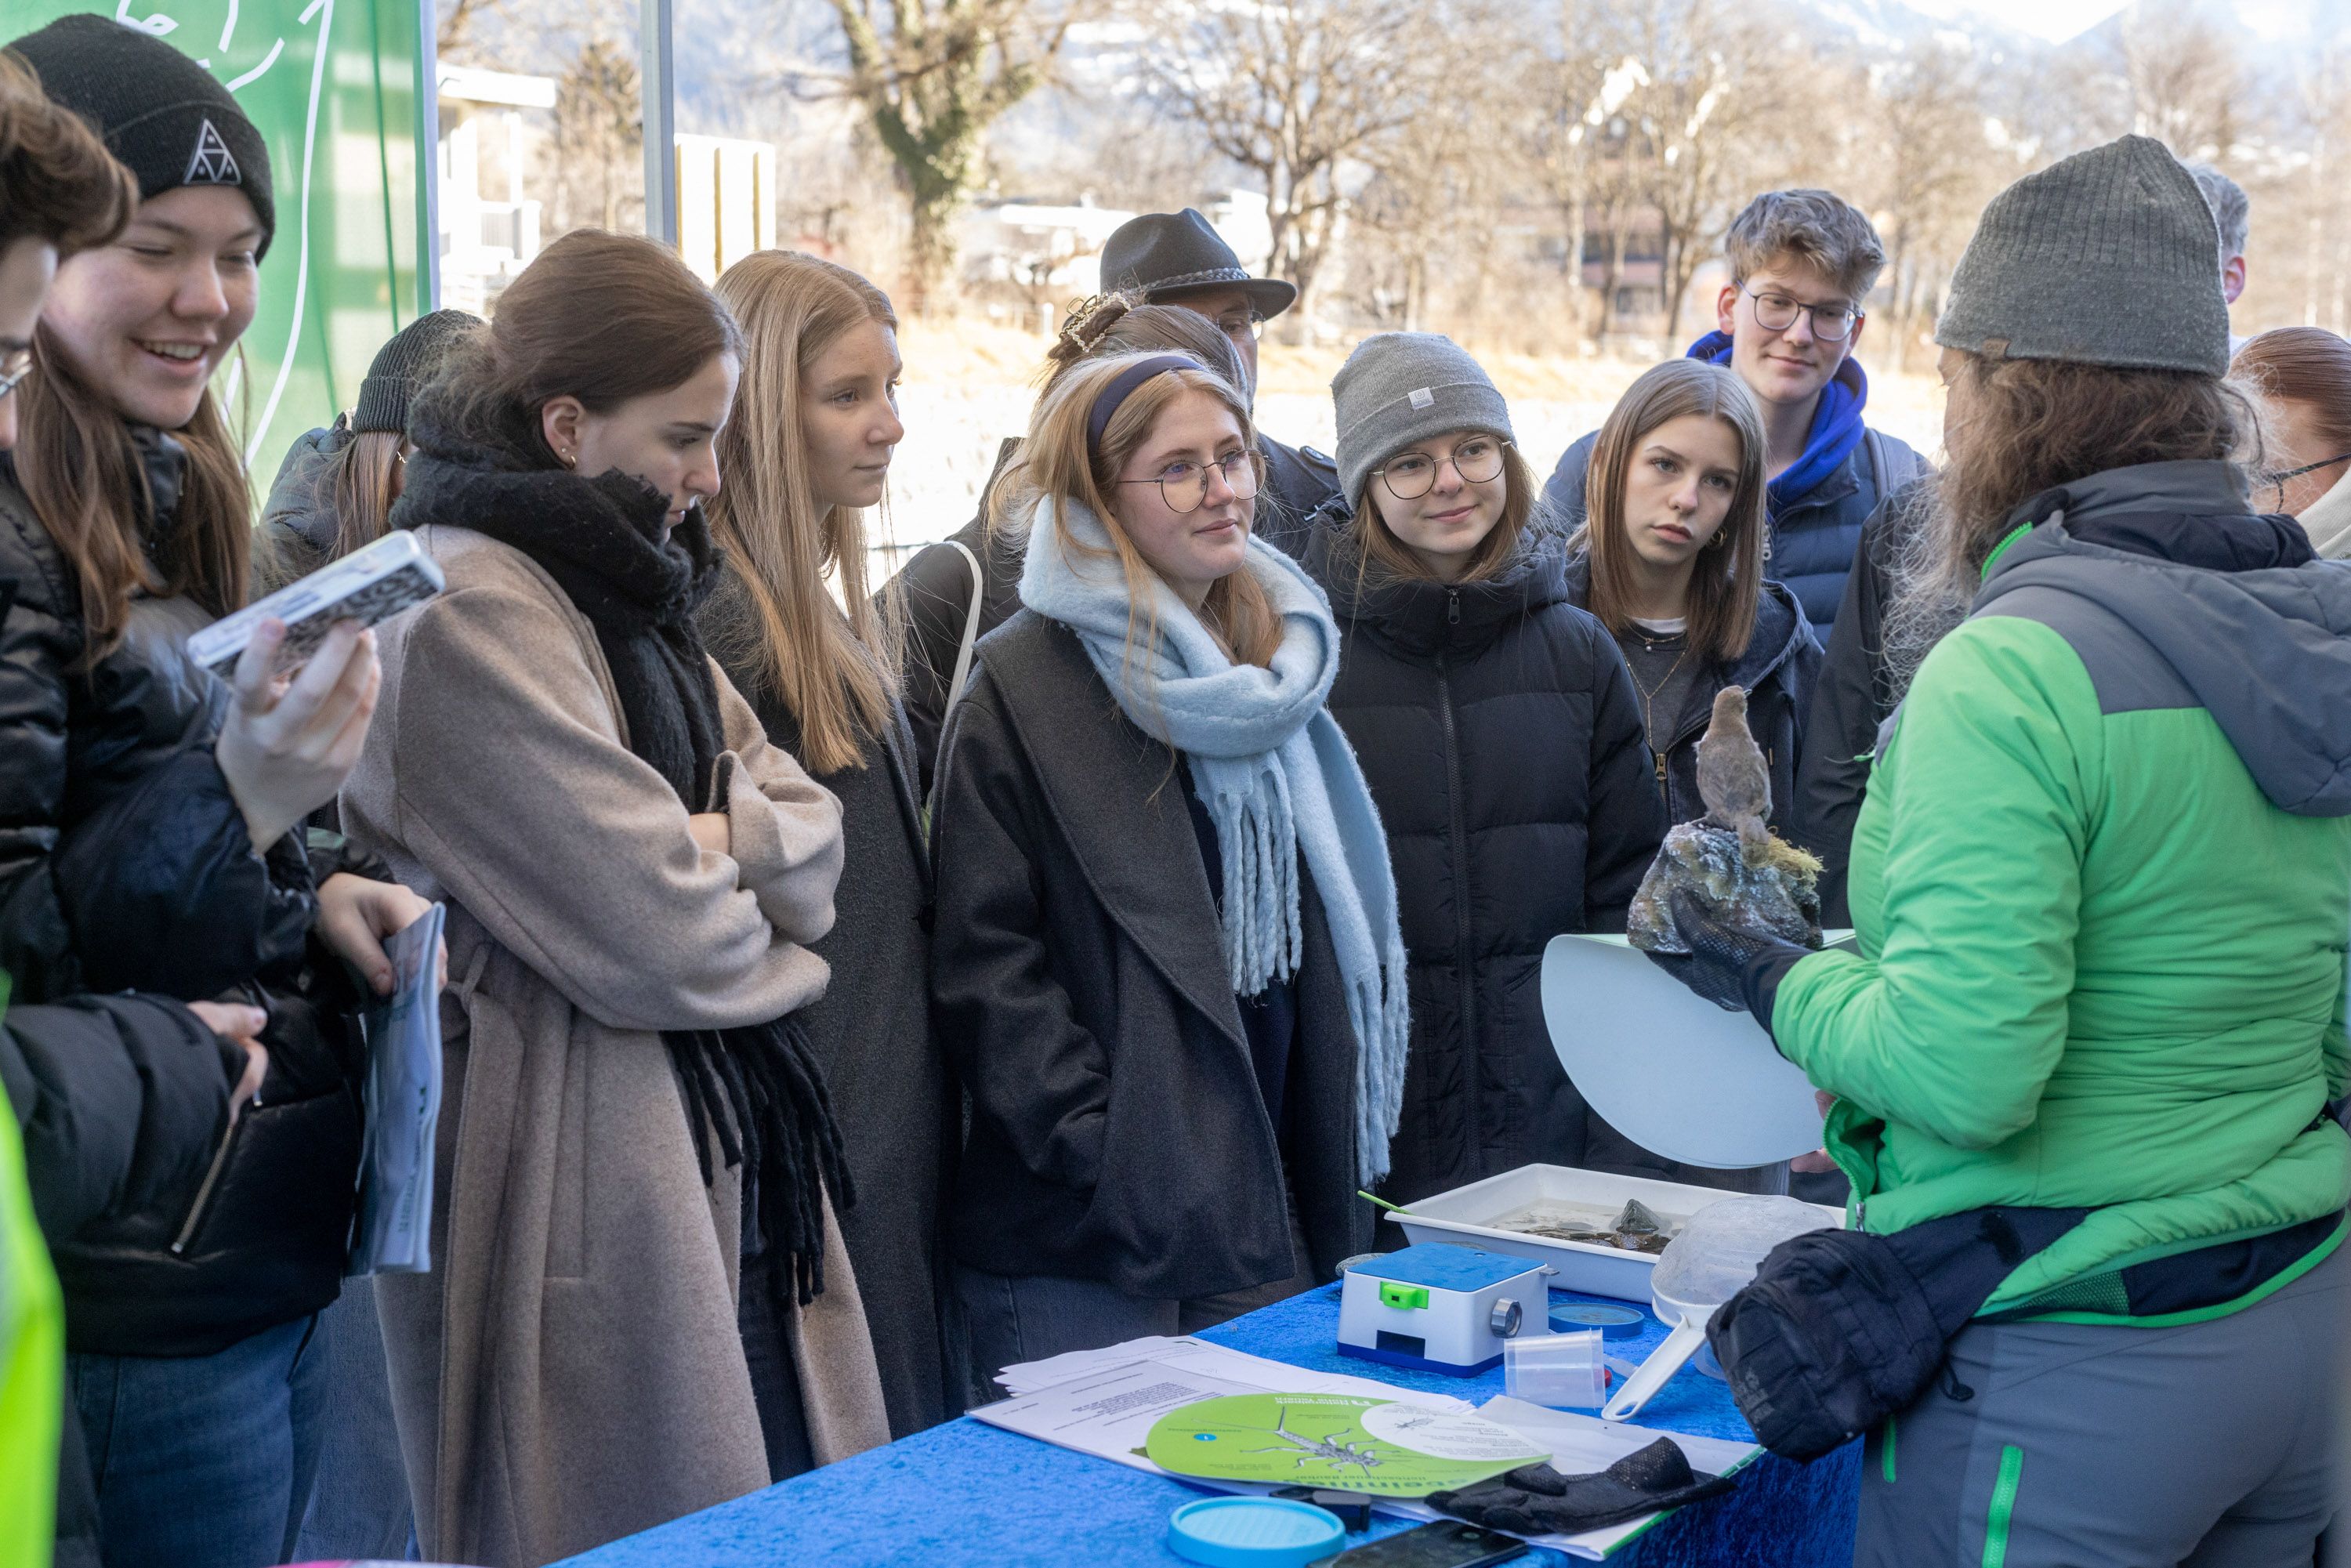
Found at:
<point>1734,780</point>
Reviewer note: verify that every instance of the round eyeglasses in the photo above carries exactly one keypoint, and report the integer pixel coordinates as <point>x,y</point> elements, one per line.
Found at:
<point>1413,475</point>
<point>2279,479</point>
<point>1184,486</point>
<point>1777,313</point>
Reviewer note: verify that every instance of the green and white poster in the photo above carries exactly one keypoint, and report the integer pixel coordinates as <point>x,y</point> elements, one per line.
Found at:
<point>1383,1446</point>
<point>334,87</point>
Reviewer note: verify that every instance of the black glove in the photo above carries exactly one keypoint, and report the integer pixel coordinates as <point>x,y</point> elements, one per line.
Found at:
<point>1730,967</point>
<point>1535,1500</point>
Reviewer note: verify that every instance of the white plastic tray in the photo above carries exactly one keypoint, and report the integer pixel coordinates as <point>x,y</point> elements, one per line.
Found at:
<point>1463,1217</point>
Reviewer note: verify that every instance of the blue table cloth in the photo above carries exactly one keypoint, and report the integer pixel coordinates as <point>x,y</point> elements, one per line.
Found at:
<point>967,1492</point>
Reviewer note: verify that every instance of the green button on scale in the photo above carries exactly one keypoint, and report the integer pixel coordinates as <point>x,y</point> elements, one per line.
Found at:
<point>1411,1298</point>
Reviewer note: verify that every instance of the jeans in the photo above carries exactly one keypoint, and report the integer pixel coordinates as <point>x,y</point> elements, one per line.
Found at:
<point>358,1506</point>
<point>202,1461</point>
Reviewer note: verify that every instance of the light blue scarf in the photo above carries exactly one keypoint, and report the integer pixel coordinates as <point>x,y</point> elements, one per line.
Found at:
<point>1275,773</point>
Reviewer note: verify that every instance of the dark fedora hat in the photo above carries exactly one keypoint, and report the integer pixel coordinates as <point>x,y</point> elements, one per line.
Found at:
<point>1167,254</point>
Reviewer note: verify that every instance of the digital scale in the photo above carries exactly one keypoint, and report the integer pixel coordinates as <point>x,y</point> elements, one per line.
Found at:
<point>1440,1308</point>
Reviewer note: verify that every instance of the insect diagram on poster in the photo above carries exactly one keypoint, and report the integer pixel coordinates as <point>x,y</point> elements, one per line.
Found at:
<point>1379,1447</point>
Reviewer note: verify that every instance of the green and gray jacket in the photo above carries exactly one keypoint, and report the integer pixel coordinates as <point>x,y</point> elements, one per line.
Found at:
<point>2102,887</point>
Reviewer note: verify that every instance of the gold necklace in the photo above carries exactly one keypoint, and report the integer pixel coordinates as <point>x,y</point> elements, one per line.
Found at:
<point>1649,695</point>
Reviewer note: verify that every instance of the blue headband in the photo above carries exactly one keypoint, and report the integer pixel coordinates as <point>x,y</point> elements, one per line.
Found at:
<point>1121,387</point>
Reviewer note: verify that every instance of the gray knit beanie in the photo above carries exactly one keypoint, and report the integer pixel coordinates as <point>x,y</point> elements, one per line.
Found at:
<point>1398,388</point>
<point>2108,257</point>
<point>405,362</point>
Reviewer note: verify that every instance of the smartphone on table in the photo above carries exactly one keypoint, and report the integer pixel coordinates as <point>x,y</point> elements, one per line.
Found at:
<point>1447,1543</point>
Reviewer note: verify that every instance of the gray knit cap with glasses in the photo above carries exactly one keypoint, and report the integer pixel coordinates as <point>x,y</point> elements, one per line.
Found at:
<point>1400,388</point>
<point>2108,257</point>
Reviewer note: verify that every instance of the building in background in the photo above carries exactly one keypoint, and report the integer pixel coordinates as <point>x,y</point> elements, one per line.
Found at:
<point>494,135</point>
<point>498,169</point>
<point>725,201</point>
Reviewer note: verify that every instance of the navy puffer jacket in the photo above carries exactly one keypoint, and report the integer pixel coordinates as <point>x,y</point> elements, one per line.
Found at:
<point>1497,727</point>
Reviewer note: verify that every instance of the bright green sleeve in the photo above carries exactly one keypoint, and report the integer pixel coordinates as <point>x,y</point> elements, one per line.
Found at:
<point>2337,1046</point>
<point>1953,1020</point>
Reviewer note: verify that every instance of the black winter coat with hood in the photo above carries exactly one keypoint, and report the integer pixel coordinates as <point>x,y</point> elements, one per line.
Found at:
<point>125,865</point>
<point>1497,724</point>
<point>1778,671</point>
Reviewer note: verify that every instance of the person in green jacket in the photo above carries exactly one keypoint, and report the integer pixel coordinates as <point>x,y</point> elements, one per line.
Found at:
<point>2103,888</point>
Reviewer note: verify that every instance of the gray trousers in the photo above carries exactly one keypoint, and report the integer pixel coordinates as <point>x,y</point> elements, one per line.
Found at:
<point>2212,1445</point>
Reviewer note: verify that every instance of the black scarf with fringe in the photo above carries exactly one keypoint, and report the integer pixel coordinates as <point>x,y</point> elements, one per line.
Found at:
<point>757,1087</point>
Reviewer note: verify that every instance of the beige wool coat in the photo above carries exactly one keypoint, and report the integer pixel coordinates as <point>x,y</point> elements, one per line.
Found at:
<point>571,1371</point>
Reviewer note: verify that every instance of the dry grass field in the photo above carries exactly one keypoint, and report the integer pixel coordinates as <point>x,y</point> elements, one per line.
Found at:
<point>970,383</point>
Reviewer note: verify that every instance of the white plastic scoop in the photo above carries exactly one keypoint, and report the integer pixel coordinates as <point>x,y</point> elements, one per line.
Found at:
<point>1711,1260</point>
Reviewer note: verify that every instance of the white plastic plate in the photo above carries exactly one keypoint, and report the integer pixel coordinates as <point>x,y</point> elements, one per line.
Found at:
<point>1670,1069</point>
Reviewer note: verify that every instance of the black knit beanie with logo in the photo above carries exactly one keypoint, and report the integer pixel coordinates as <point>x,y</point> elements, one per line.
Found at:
<point>168,119</point>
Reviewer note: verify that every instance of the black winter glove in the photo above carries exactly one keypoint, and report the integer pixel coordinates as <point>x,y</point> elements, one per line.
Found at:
<point>1730,967</point>
<point>1535,1500</point>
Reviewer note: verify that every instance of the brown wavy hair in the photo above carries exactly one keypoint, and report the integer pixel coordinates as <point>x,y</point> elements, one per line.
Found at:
<point>2029,426</point>
<point>58,185</point>
<point>834,663</point>
<point>1728,578</point>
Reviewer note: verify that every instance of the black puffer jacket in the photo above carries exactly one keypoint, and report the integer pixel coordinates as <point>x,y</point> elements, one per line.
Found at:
<point>1778,670</point>
<point>298,521</point>
<point>1498,726</point>
<point>125,865</point>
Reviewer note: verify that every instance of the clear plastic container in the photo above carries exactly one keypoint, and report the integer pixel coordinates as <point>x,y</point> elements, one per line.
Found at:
<point>1564,1371</point>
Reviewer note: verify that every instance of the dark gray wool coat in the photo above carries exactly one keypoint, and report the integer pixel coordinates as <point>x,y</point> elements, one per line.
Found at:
<point>896,1100</point>
<point>1117,1130</point>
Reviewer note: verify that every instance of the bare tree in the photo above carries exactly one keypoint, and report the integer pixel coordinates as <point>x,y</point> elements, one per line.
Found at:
<point>2185,77</point>
<point>934,76</point>
<point>1432,220</point>
<point>1932,170</point>
<point>1577,143</point>
<point>1295,92</point>
<point>599,138</point>
<point>1714,120</point>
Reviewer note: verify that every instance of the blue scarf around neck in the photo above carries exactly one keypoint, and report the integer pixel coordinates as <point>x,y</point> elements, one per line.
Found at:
<point>1271,767</point>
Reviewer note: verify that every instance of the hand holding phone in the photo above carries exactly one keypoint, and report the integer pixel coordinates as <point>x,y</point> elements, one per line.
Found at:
<point>287,745</point>
<point>367,586</point>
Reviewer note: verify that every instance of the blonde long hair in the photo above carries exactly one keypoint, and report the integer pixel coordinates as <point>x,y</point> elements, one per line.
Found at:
<point>834,663</point>
<point>1729,573</point>
<point>1054,463</point>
